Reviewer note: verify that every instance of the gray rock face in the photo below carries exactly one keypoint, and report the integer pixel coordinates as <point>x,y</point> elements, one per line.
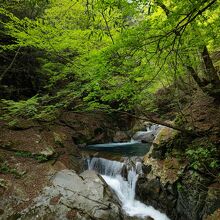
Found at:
<point>73,196</point>
<point>153,192</point>
<point>149,135</point>
<point>144,136</point>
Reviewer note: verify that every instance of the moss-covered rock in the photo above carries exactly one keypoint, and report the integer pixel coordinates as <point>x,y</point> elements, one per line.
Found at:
<point>161,143</point>
<point>164,135</point>
<point>168,170</point>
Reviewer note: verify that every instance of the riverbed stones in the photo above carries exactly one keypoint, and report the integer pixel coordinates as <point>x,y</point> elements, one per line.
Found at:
<point>83,196</point>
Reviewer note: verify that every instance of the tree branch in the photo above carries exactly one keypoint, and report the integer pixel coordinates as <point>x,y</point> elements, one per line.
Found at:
<point>163,6</point>
<point>107,26</point>
<point>191,18</point>
<point>154,119</point>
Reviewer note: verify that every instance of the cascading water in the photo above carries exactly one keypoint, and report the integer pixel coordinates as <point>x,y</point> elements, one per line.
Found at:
<point>105,167</point>
<point>112,173</point>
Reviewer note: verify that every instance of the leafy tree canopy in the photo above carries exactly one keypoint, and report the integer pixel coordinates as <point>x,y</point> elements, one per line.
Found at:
<point>110,52</point>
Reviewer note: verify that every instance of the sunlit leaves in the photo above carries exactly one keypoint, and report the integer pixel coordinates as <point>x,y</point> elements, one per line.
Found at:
<point>113,51</point>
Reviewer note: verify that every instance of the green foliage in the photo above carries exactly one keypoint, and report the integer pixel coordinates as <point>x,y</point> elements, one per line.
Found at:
<point>41,158</point>
<point>23,154</point>
<point>108,54</point>
<point>179,120</point>
<point>203,157</point>
<point>180,187</point>
<point>26,8</point>
<point>26,154</point>
<point>6,169</point>
<point>13,123</point>
<point>47,113</point>
<point>26,108</point>
<point>30,108</point>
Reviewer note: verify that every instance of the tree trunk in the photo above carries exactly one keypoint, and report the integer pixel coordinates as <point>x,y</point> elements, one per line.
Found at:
<point>211,73</point>
<point>195,76</point>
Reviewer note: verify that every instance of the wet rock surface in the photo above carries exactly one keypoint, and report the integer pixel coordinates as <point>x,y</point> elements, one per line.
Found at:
<point>148,135</point>
<point>171,184</point>
<point>144,136</point>
<point>166,184</point>
<point>73,196</point>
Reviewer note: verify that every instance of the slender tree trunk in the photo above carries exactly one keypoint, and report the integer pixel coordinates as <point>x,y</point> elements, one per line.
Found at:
<point>195,76</point>
<point>107,26</point>
<point>10,65</point>
<point>211,73</point>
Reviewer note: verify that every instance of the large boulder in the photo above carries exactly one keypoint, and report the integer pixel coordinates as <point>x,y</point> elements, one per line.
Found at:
<point>164,135</point>
<point>212,205</point>
<point>213,216</point>
<point>159,146</point>
<point>168,170</point>
<point>73,196</point>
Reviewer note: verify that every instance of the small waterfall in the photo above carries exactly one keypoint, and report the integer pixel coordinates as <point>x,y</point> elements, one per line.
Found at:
<point>124,188</point>
<point>105,167</point>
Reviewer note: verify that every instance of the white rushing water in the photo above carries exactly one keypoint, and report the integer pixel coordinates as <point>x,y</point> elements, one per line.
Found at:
<point>111,172</point>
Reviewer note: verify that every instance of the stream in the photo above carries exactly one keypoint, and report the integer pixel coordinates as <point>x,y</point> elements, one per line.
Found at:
<point>122,177</point>
<point>122,180</point>
<point>125,149</point>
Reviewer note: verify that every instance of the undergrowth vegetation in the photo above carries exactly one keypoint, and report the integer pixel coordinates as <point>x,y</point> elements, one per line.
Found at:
<point>203,156</point>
